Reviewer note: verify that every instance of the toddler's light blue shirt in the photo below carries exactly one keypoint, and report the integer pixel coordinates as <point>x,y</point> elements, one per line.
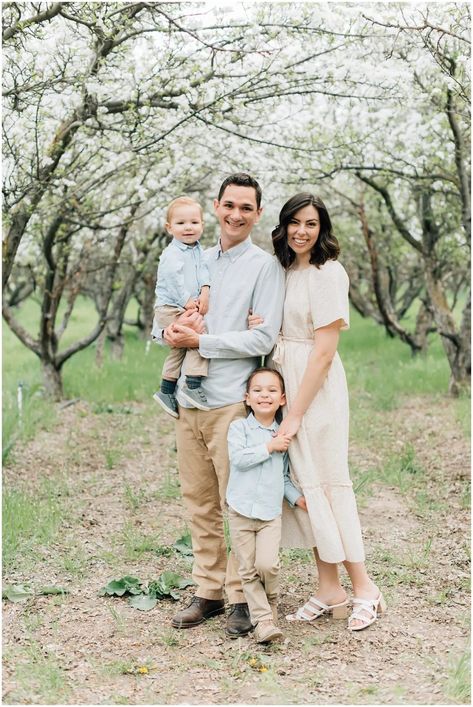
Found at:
<point>182,272</point>
<point>258,480</point>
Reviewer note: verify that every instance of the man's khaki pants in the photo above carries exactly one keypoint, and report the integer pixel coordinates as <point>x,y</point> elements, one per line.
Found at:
<point>256,545</point>
<point>165,315</point>
<point>202,454</point>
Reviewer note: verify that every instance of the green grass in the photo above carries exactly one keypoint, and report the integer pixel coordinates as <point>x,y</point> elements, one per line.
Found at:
<point>29,520</point>
<point>402,469</point>
<point>383,369</point>
<point>463,412</point>
<point>136,544</point>
<point>37,414</point>
<point>39,676</point>
<point>458,685</point>
<point>170,488</point>
<point>133,378</point>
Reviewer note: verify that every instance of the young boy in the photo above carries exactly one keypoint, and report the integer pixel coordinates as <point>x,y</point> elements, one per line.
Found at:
<point>182,284</point>
<point>259,478</point>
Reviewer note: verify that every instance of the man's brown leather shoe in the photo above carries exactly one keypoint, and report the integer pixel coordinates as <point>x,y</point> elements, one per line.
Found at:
<point>198,611</point>
<point>238,621</point>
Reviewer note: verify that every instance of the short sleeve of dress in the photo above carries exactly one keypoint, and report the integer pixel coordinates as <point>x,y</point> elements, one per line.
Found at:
<point>328,294</point>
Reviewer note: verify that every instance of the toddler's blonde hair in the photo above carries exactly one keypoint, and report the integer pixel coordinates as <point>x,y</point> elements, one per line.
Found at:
<point>181,200</point>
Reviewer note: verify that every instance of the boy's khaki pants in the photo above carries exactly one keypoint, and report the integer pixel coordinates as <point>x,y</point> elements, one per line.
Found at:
<point>195,365</point>
<point>202,454</point>
<point>256,546</point>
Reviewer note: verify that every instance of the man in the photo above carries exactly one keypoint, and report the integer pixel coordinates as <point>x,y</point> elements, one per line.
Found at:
<point>243,278</point>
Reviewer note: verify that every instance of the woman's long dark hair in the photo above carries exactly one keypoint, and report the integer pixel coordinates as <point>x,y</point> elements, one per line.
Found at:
<point>326,246</point>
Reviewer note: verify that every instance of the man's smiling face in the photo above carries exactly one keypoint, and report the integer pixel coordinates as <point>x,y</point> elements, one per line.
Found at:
<point>237,213</point>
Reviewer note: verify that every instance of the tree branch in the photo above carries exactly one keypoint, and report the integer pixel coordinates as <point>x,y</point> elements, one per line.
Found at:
<point>36,19</point>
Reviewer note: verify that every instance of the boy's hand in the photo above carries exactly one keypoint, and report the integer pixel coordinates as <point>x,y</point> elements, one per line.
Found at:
<point>203,301</point>
<point>279,444</point>
<point>302,503</point>
<point>191,304</point>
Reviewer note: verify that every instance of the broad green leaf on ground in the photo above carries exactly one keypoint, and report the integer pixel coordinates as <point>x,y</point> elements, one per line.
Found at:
<point>140,597</point>
<point>144,602</point>
<point>16,593</point>
<point>119,587</point>
<point>167,583</point>
<point>184,544</point>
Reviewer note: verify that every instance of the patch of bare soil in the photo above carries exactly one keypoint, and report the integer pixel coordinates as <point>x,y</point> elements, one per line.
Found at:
<point>118,478</point>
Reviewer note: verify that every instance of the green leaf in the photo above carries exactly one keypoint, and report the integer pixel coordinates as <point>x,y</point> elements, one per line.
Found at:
<point>16,593</point>
<point>119,587</point>
<point>183,583</point>
<point>167,583</point>
<point>143,602</point>
<point>184,544</point>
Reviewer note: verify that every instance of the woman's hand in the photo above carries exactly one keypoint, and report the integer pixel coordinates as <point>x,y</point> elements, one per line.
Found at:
<point>254,320</point>
<point>302,503</point>
<point>290,425</point>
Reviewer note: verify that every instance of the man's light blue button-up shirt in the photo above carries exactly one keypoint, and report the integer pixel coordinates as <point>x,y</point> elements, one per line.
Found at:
<point>182,272</point>
<point>258,480</point>
<point>241,278</point>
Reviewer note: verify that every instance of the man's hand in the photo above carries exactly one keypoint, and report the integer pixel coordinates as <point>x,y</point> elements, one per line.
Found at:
<point>279,444</point>
<point>182,337</point>
<point>302,503</point>
<point>193,320</point>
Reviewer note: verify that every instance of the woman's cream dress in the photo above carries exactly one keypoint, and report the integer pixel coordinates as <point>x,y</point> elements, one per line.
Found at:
<point>319,453</point>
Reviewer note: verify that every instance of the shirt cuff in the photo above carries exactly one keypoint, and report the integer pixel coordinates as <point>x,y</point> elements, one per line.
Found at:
<point>208,347</point>
<point>291,495</point>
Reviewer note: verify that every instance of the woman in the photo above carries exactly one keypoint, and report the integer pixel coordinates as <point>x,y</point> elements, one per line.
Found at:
<point>315,311</point>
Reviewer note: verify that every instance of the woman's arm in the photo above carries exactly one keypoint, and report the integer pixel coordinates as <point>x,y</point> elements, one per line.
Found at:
<point>320,360</point>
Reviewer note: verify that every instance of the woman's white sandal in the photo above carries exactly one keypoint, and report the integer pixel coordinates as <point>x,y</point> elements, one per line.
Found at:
<point>367,611</point>
<point>314,608</point>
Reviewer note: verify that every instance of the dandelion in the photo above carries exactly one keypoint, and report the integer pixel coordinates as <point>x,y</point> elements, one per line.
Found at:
<point>142,670</point>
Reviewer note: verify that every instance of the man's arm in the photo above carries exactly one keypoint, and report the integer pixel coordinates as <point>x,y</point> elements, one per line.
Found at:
<point>268,301</point>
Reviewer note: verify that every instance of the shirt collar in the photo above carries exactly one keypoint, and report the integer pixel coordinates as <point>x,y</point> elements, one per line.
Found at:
<point>253,424</point>
<point>184,246</point>
<point>235,252</point>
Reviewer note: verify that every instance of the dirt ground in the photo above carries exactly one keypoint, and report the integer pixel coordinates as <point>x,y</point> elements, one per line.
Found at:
<point>115,473</point>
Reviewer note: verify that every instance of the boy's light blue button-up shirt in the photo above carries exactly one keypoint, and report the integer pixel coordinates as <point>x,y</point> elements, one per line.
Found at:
<point>258,480</point>
<point>182,272</point>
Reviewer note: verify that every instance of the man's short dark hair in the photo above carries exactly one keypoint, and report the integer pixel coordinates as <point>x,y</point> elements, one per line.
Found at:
<point>240,179</point>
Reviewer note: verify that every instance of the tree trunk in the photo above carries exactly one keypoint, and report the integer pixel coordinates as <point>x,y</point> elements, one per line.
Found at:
<point>424,325</point>
<point>456,345</point>
<point>146,310</point>
<point>100,348</point>
<point>52,380</point>
<point>117,346</point>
